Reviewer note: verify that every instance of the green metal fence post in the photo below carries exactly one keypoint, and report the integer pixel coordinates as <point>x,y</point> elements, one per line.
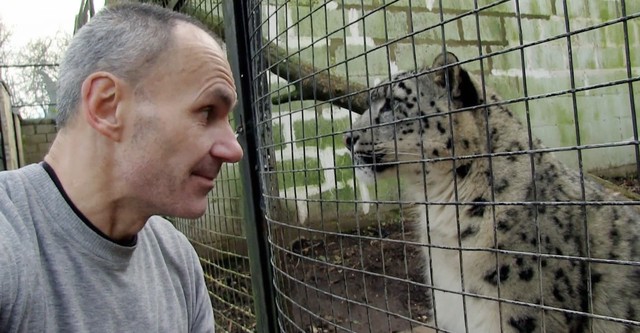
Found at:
<point>237,42</point>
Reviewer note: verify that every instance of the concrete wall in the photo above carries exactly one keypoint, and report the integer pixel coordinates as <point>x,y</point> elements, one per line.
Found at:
<point>368,43</point>
<point>598,56</point>
<point>37,136</point>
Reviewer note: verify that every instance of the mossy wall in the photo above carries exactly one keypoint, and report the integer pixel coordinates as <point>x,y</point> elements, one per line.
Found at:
<point>576,67</point>
<point>571,61</point>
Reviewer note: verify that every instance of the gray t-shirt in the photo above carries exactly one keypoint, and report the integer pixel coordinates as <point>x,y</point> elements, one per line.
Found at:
<point>58,274</point>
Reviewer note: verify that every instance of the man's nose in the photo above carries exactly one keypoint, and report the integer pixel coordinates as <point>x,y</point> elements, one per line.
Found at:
<point>350,140</point>
<point>227,148</point>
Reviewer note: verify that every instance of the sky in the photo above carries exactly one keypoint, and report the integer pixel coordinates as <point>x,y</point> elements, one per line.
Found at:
<point>28,19</point>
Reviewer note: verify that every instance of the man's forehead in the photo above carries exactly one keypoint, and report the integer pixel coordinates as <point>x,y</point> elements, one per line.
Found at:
<point>184,31</point>
<point>191,42</point>
<point>194,60</point>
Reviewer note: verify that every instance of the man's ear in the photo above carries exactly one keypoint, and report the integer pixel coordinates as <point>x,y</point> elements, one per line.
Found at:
<point>101,95</point>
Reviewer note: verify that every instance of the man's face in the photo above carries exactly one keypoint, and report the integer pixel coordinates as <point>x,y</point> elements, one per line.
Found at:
<point>181,133</point>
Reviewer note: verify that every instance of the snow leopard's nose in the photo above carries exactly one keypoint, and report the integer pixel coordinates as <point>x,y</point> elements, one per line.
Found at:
<point>350,140</point>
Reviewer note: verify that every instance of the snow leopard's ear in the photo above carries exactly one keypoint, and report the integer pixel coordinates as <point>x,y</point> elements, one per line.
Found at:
<point>449,75</point>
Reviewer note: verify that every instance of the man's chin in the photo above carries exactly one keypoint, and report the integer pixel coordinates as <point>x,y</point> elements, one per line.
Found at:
<point>193,209</point>
<point>190,215</point>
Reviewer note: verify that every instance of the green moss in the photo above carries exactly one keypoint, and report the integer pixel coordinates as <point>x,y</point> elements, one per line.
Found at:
<point>343,172</point>
<point>343,194</point>
<point>297,172</point>
<point>321,132</point>
<point>307,3</point>
<point>278,138</point>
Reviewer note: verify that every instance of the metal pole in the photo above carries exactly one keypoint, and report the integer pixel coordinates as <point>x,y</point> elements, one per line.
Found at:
<point>237,42</point>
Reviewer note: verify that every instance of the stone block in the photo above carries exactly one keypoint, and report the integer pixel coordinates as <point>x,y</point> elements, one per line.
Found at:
<point>45,128</point>
<point>32,158</point>
<point>428,26</point>
<point>550,56</point>
<point>384,24</point>
<point>550,111</point>
<point>612,57</point>
<point>37,138</point>
<point>632,7</point>
<point>28,130</point>
<point>634,59</point>
<point>30,148</point>
<point>410,56</point>
<point>533,29</point>
<point>44,147</point>
<point>506,61</point>
<point>633,38</point>
<point>604,10</point>
<point>575,8</point>
<point>491,29</point>
<point>361,60</point>
<point>507,87</point>
<point>275,21</point>
<point>317,22</point>
<point>594,77</point>
<point>536,7</point>
<point>357,2</point>
<point>553,82</point>
<point>318,56</point>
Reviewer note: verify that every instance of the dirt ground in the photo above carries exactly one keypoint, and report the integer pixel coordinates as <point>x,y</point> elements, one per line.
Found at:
<point>344,283</point>
<point>338,284</point>
<point>630,184</point>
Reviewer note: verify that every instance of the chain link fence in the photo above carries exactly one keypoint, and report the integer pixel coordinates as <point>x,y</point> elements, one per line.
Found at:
<point>487,204</point>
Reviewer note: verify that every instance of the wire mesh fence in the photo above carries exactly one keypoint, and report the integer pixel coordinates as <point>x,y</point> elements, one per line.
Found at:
<point>432,164</point>
<point>463,199</point>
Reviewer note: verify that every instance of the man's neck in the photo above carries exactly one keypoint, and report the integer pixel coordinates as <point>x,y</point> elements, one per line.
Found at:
<point>95,194</point>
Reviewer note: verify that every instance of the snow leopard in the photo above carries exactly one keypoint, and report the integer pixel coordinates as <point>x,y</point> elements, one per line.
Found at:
<point>512,239</point>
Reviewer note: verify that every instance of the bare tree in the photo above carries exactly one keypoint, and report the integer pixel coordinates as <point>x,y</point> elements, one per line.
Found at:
<point>5,34</point>
<point>32,73</point>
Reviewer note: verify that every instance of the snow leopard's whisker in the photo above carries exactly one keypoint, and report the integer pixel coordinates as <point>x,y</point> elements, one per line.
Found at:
<point>409,154</point>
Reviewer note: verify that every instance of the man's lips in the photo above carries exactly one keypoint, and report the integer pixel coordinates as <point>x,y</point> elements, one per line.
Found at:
<point>207,176</point>
<point>208,171</point>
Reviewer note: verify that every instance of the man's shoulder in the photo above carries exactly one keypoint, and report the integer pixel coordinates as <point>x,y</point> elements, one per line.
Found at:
<point>10,179</point>
<point>166,234</point>
<point>14,182</point>
<point>14,196</point>
<point>18,190</point>
<point>15,241</point>
<point>16,230</point>
<point>160,238</point>
<point>25,171</point>
<point>161,226</point>
<point>17,255</point>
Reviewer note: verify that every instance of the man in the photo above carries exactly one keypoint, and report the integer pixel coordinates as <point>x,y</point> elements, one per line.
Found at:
<point>144,97</point>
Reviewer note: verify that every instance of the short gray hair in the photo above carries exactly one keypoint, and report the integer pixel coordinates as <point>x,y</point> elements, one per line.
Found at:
<point>125,40</point>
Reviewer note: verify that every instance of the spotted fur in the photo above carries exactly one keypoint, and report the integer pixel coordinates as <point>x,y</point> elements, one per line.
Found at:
<point>463,155</point>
